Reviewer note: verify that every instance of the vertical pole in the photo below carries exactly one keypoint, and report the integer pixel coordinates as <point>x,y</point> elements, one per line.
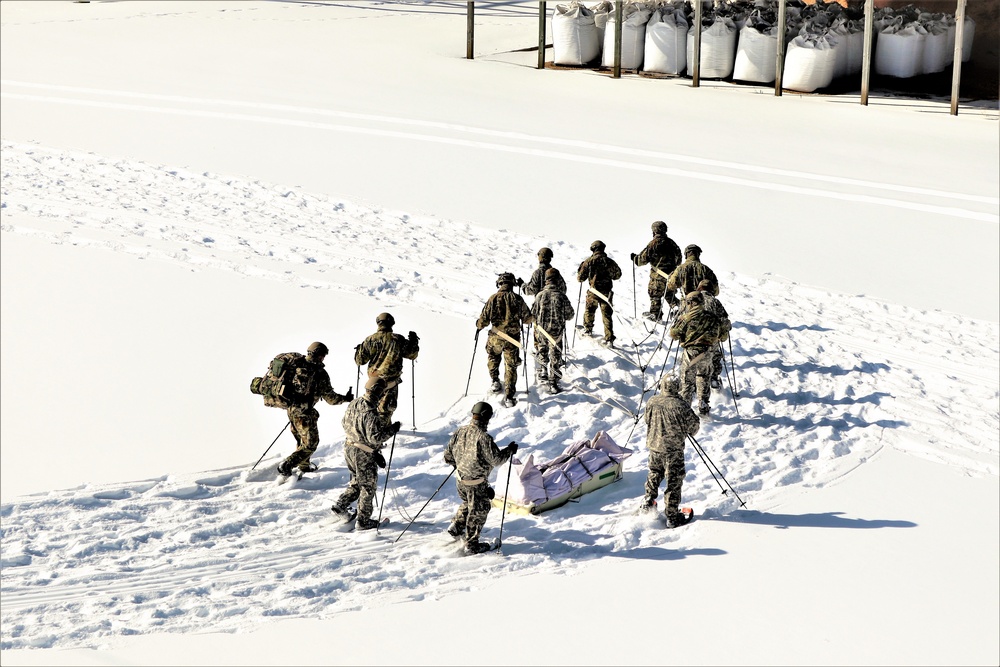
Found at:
<point>413,390</point>
<point>617,71</point>
<point>696,50</point>
<point>866,52</point>
<point>541,35</point>
<point>779,60</point>
<point>956,66</point>
<point>470,28</point>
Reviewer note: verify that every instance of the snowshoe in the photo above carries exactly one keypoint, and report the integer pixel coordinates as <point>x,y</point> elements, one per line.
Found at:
<point>365,524</point>
<point>680,518</point>
<point>647,506</point>
<point>716,382</point>
<point>554,388</point>
<point>703,409</point>
<point>508,402</point>
<point>608,343</point>
<point>477,547</point>
<point>496,387</point>
<point>284,469</point>
<point>455,530</point>
<point>309,466</point>
<point>345,513</point>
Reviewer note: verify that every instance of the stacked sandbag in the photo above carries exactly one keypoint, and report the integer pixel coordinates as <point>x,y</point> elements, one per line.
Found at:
<point>634,18</point>
<point>756,49</point>
<point>666,42</point>
<point>574,35</point>
<point>718,48</point>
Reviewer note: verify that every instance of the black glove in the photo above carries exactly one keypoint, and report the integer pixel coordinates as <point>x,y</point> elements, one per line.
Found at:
<point>512,448</point>
<point>395,427</point>
<point>519,282</point>
<point>413,337</point>
<point>491,492</point>
<point>379,460</point>
<point>632,257</point>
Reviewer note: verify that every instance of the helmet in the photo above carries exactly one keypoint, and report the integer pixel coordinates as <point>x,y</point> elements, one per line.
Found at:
<point>505,279</point>
<point>318,349</point>
<point>705,286</point>
<point>552,274</point>
<point>597,245</point>
<point>545,255</point>
<point>659,227</point>
<point>692,250</point>
<point>670,385</point>
<point>385,318</point>
<point>694,297</point>
<point>482,410</point>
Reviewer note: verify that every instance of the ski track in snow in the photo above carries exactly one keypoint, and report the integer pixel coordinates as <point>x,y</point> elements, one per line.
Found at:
<point>825,380</point>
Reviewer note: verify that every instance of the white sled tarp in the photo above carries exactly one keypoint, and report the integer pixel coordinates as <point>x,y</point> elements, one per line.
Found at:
<point>584,466</point>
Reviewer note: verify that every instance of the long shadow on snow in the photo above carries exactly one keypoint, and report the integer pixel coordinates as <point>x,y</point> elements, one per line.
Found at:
<point>808,367</point>
<point>777,326</point>
<point>818,520</point>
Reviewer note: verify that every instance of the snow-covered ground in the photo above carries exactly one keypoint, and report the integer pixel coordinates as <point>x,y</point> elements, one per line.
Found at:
<point>189,189</point>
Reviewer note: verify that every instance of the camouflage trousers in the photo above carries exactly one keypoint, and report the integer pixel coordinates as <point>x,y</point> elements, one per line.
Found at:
<point>657,290</point>
<point>364,481</point>
<point>696,373</point>
<point>471,515</point>
<point>495,348</point>
<point>548,357</point>
<point>593,303</point>
<point>669,465</point>
<point>717,357</point>
<point>305,428</point>
<point>387,404</point>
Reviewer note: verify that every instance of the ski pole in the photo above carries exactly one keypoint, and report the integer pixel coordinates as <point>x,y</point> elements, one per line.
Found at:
<point>413,391</point>
<point>732,364</point>
<point>475,344</point>
<point>425,505</point>
<point>527,387</point>
<point>635,297</point>
<point>271,445</point>
<point>510,465</point>
<point>388,467</point>
<point>577,316</point>
<point>357,382</point>
<point>705,458</point>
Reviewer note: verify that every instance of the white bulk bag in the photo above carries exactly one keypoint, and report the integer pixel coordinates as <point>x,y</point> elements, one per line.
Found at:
<point>602,11</point>
<point>634,18</point>
<point>756,54</point>
<point>718,49</point>
<point>900,50</point>
<point>574,35</point>
<point>935,58</point>
<point>839,32</point>
<point>666,43</point>
<point>809,63</point>
<point>967,36</point>
<point>855,46</point>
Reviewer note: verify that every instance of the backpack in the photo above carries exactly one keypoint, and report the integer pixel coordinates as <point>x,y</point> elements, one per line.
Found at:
<point>286,382</point>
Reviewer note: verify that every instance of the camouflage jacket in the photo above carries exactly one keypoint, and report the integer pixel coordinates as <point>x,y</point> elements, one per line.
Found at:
<point>473,452</point>
<point>384,352</point>
<point>687,276</point>
<point>599,270</point>
<point>552,309</point>
<point>363,424</point>
<point>669,420</point>
<point>312,382</point>
<point>696,328</point>
<point>662,253</point>
<point>537,282</point>
<point>506,311</point>
<point>715,307</point>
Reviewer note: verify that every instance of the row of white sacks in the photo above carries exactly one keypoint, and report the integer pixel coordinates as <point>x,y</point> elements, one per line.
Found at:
<point>662,42</point>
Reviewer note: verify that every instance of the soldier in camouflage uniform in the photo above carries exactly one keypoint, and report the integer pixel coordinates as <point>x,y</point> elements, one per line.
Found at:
<point>600,270</point>
<point>551,310</point>
<point>474,454</point>
<point>537,282</point>
<point>698,333</point>
<point>714,306</point>
<point>365,434</point>
<point>685,278</point>
<point>669,421</point>
<point>311,383</point>
<point>663,256</point>
<point>507,312</point>
<point>384,352</point>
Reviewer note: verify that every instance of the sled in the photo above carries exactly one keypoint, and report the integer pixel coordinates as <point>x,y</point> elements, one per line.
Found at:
<point>601,479</point>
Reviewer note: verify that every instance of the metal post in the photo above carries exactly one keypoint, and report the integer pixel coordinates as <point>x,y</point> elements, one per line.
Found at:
<point>541,35</point>
<point>617,70</point>
<point>470,28</point>
<point>866,50</point>
<point>696,50</point>
<point>956,65</point>
<point>779,60</point>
